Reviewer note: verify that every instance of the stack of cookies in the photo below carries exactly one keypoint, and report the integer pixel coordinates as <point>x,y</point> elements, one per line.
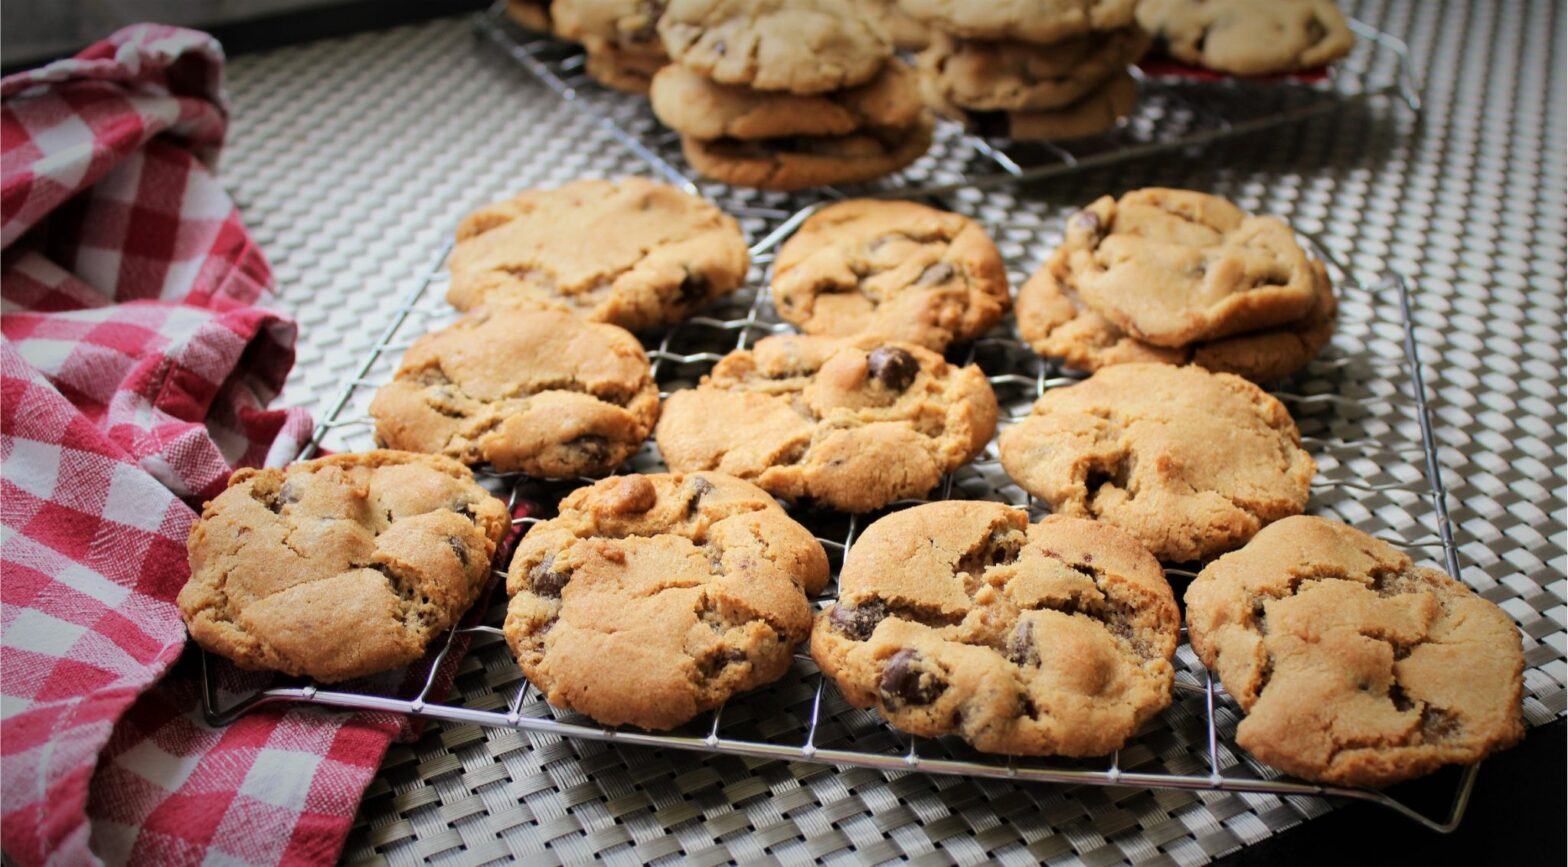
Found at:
<point>1177,277</point>
<point>620,37</point>
<point>1030,70</point>
<point>787,95</point>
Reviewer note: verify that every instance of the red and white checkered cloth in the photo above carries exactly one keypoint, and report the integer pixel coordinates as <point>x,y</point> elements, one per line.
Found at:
<point>135,375</point>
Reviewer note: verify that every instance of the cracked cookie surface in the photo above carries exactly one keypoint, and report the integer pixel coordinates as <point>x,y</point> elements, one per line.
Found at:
<point>1245,37</point>
<point>801,46</point>
<point>650,599</point>
<point>990,75</point>
<point>960,617</point>
<point>669,253</point>
<point>1042,21</point>
<point>897,269</point>
<point>1190,463</point>
<point>534,391</point>
<point>1057,324</point>
<point>696,106</point>
<point>799,162</point>
<point>1354,665</point>
<point>339,567</point>
<point>1171,267</point>
<point>850,423</point>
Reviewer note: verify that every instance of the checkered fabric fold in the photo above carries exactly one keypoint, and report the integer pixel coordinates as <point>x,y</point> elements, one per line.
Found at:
<point>134,375</point>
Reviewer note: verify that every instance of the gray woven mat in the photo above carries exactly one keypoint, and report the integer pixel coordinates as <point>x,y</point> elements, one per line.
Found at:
<point>352,159</point>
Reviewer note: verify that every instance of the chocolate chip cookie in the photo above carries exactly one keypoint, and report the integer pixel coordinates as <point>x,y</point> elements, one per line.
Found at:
<point>960,617</point>
<point>1190,463</point>
<point>802,46</point>
<point>534,391</point>
<point>620,68</point>
<point>907,32</point>
<point>1008,75</point>
<point>800,162</point>
<point>1355,666</point>
<point>1043,21</point>
<point>339,567</point>
<point>1055,321</point>
<point>1172,267</point>
<point>668,254</point>
<point>650,599</point>
<point>699,107</point>
<point>1245,37</point>
<point>897,269</point>
<point>852,424</point>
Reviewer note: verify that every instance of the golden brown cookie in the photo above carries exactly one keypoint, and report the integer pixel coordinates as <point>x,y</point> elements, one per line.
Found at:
<point>1355,666</point>
<point>339,567</point>
<point>1043,21</point>
<point>699,107</point>
<point>1098,111</point>
<point>620,68</point>
<point>670,253</point>
<point>1190,463</point>
<point>1246,37</point>
<point>1055,321</point>
<point>650,599</point>
<point>960,617</point>
<point>893,268</point>
<point>1172,267</point>
<point>801,162</point>
<point>1007,75</point>
<point>534,391</point>
<point>853,424</point>
<point>907,32</point>
<point>802,46</point>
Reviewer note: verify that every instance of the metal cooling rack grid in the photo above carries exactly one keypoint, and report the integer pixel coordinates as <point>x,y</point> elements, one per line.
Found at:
<point>1173,113</point>
<point>1365,393</point>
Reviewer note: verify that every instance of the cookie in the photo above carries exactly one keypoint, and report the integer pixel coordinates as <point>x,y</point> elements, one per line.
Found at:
<point>853,424</point>
<point>339,567</point>
<point>1172,267</point>
<point>1355,666</point>
<point>801,162</point>
<point>619,68</point>
<point>1190,463</point>
<point>630,24</point>
<point>962,618</point>
<point>531,15</point>
<point>1008,75</point>
<point>699,107</point>
<point>650,599</point>
<point>802,46</point>
<point>898,269</point>
<point>1055,321</point>
<point>1245,37</point>
<point>1043,21</point>
<point>533,391</point>
<point>631,252</point>
<point>1098,111</point>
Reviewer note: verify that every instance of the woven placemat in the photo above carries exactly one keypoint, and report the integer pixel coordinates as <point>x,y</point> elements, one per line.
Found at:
<point>352,159</point>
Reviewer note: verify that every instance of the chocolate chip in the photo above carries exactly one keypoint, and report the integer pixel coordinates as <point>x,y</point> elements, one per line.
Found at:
<point>1026,707</point>
<point>459,549</point>
<point>857,622</point>
<point>938,273</point>
<point>700,487</point>
<point>713,665</point>
<point>720,47</point>
<point>592,448</point>
<point>544,581</point>
<point>1402,702</point>
<point>693,289</point>
<point>895,368</point>
<point>1021,649</point>
<point>1083,569</point>
<point>288,494</point>
<point>1438,724</point>
<point>902,683</point>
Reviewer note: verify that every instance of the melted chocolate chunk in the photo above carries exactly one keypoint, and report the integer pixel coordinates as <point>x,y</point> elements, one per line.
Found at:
<point>545,582</point>
<point>893,367</point>
<point>858,622</point>
<point>902,683</point>
<point>1021,649</point>
<point>459,549</point>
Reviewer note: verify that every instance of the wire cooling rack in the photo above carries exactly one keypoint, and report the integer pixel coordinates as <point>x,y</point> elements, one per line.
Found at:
<point>1362,409</point>
<point>1174,112</point>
